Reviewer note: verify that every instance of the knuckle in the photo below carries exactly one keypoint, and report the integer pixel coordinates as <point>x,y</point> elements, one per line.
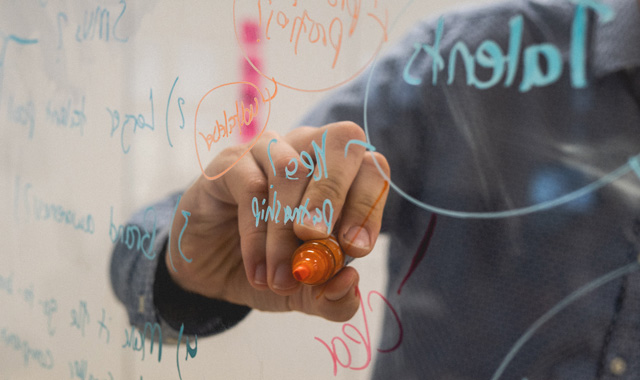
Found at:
<point>270,135</point>
<point>352,129</point>
<point>251,234</point>
<point>371,159</point>
<point>361,207</point>
<point>281,230</point>
<point>302,172</point>
<point>256,185</point>
<point>227,155</point>
<point>300,131</point>
<point>283,162</point>
<point>328,188</point>
<point>349,130</point>
<point>226,158</point>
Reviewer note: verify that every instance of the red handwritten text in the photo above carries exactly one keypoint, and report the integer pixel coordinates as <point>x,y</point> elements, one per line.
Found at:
<point>356,336</point>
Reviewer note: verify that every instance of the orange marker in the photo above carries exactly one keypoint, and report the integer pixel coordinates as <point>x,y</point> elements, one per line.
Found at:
<point>316,261</point>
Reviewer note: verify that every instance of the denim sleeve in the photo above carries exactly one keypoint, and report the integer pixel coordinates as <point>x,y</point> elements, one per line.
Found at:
<point>146,288</point>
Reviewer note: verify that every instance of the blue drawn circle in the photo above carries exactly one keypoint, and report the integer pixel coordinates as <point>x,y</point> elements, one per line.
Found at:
<point>633,165</point>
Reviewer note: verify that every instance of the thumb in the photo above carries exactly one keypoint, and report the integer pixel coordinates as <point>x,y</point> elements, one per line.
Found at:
<point>336,300</point>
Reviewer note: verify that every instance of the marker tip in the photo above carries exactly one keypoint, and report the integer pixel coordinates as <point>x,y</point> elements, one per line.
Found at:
<point>301,272</point>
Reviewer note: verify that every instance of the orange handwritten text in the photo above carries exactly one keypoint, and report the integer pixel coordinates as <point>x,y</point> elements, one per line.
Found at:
<point>297,22</point>
<point>243,117</point>
<point>321,31</point>
<point>356,336</point>
<point>354,8</point>
<point>314,30</point>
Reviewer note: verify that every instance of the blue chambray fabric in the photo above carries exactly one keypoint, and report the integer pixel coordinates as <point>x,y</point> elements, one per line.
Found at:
<point>484,281</point>
<point>515,236</point>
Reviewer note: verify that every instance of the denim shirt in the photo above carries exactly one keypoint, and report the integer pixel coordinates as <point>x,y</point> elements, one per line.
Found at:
<point>529,268</point>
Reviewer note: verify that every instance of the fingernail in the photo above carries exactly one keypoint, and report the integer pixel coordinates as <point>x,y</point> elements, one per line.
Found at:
<point>358,237</point>
<point>283,279</point>
<point>260,276</point>
<point>319,226</point>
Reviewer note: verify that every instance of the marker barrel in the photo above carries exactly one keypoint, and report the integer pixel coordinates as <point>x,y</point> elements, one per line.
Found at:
<point>316,261</point>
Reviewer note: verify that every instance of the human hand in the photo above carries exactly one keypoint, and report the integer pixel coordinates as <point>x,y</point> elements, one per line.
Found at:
<point>239,262</point>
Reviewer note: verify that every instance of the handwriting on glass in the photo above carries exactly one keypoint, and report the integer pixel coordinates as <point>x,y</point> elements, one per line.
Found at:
<point>360,338</point>
<point>542,63</point>
<point>301,213</point>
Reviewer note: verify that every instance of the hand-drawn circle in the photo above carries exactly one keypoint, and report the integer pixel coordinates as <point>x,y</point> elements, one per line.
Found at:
<point>195,128</point>
<point>632,165</point>
<point>568,300</point>
<point>336,85</point>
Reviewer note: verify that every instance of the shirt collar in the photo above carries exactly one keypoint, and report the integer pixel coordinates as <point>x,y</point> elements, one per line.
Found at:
<point>616,44</point>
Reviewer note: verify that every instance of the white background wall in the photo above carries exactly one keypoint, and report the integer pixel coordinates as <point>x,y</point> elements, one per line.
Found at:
<point>49,270</point>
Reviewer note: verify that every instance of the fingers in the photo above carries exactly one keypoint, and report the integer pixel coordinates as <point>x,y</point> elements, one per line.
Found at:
<point>211,240</point>
<point>287,182</point>
<point>362,213</point>
<point>246,186</point>
<point>302,187</point>
<point>337,300</point>
<point>349,187</point>
<point>332,177</point>
<point>257,185</point>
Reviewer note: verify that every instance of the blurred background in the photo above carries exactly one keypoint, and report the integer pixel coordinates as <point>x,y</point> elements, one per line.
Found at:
<point>98,105</point>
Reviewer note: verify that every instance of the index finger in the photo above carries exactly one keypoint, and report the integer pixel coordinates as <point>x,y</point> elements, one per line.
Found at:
<point>332,175</point>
